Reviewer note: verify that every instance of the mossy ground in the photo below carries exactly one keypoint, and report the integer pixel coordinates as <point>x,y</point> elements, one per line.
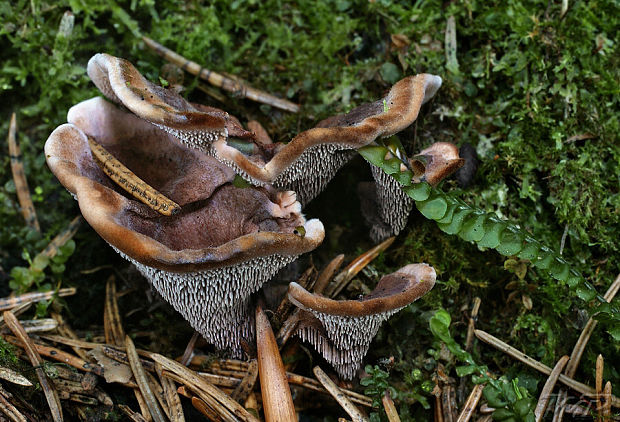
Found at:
<point>535,91</point>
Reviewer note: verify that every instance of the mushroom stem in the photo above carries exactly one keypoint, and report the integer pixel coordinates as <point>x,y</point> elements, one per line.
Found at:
<point>277,400</point>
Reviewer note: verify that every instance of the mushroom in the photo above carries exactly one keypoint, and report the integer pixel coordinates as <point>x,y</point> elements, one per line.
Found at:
<point>305,164</point>
<point>432,165</point>
<point>208,258</point>
<point>309,161</point>
<point>342,330</point>
<point>195,125</point>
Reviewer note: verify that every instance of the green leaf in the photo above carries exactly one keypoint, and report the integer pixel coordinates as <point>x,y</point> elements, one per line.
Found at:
<point>473,227</point>
<point>457,220</point>
<point>433,208</point>
<point>493,229</point>
<point>374,154</point>
<point>418,191</point>
<point>511,242</point>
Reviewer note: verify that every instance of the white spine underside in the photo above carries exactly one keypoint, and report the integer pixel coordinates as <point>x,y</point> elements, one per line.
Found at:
<point>216,302</point>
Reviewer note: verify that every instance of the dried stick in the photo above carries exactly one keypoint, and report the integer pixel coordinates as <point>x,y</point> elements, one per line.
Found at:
<point>8,303</point>
<point>134,416</point>
<point>205,409</point>
<point>328,272</point>
<point>37,325</point>
<point>575,385</point>
<point>545,394</point>
<point>277,400</point>
<point>578,349</point>
<point>19,177</point>
<point>9,410</point>
<point>605,411</point>
<point>61,238</point>
<point>228,84</point>
<point>390,409</point>
<point>220,412</point>
<point>470,405</point>
<point>10,375</point>
<point>143,382</point>
<point>343,401</point>
<point>65,330</point>
<point>112,325</point>
<point>245,387</point>
<point>351,270</point>
<point>198,383</point>
<point>598,384</point>
<point>60,356</point>
<point>189,349</point>
<point>471,325</point>
<point>50,393</point>
<point>171,396</point>
<point>580,346</point>
<point>131,183</point>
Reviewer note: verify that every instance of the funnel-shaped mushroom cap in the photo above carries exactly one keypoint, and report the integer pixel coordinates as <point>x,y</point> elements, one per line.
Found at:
<point>313,157</point>
<point>197,126</point>
<point>207,259</point>
<point>432,165</point>
<point>442,159</point>
<point>342,330</point>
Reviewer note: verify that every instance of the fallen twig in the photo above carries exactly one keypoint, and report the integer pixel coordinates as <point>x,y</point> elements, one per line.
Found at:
<point>48,389</point>
<point>36,325</point>
<point>61,238</point>
<point>19,177</point>
<point>8,409</point>
<point>134,416</point>
<point>328,272</point>
<point>351,270</point>
<point>201,385</point>
<point>245,387</point>
<point>277,400</point>
<point>545,394</point>
<point>60,356</point>
<point>112,325</point>
<point>578,349</point>
<point>390,409</point>
<point>171,396</point>
<point>10,375</point>
<point>131,183</point>
<point>227,84</point>
<point>343,401</point>
<point>143,382</point>
<point>575,385</point>
<point>8,303</point>
<point>470,405</point>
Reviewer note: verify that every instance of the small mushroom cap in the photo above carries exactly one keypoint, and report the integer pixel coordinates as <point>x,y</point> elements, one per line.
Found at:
<point>219,224</point>
<point>442,159</point>
<point>197,125</point>
<point>393,291</point>
<point>350,131</point>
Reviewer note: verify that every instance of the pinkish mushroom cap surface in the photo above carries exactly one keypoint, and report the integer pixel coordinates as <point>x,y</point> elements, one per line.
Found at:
<point>205,260</point>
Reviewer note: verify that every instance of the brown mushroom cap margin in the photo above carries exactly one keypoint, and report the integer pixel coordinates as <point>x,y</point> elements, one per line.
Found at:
<point>195,125</point>
<point>312,158</point>
<point>190,279</point>
<point>342,330</point>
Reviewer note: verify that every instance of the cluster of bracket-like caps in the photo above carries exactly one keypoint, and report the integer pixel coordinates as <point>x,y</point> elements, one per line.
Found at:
<point>310,160</point>
<point>195,125</point>
<point>207,259</point>
<point>431,165</point>
<point>342,330</point>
